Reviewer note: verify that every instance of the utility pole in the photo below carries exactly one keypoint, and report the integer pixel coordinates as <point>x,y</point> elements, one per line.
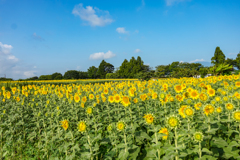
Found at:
<point>5,75</point>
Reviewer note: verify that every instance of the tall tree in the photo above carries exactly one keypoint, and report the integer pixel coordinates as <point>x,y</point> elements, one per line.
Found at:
<point>238,61</point>
<point>123,70</point>
<point>71,74</point>
<point>218,58</point>
<point>104,68</point>
<point>92,72</point>
<point>58,75</point>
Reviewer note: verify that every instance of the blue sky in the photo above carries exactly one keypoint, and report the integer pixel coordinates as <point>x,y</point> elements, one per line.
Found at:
<point>45,36</point>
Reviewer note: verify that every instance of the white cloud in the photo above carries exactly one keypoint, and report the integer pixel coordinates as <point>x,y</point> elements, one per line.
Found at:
<point>121,30</point>
<point>29,73</point>
<point>172,2</point>
<point>11,65</point>
<point>78,67</point>
<point>137,50</point>
<point>136,31</point>
<point>142,6</point>
<point>102,55</point>
<point>89,14</point>
<point>5,48</point>
<point>232,53</point>
<point>181,61</point>
<point>197,60</point>
<point>37,37</point>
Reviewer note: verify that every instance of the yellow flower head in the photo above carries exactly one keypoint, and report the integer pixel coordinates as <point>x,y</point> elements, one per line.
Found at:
<point>125,101</point>
<point>211,92</point>
<point>89,110</point>
<point>111,99</point>
<point>173,121</point>
<point>117,98</point>
<point>236,116</point>
<point>121,126</point>
<point>189,111</point>
<point>109,128</point>
<point>209,109</point>
<point>229,106</point>
<point>178,88</point>
<point>76,98</point>
<point>65,124</point>
<point>149,118</point>
<point>198,136</point>
<point>82,126</point>
<point>164,131</point>
<point>219,109</point>
<point>194,94</point>
<point>181,111</point>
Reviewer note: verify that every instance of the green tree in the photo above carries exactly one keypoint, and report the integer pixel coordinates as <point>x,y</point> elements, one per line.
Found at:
<point>83,75</point>
<point>58,75</point>
<point>237,61</point>
<point>92,72</point>
<point>45,77</point>
<point>124,70</point>
<point>71,74</point>
<point>104,68</point>
<point>218,58</point>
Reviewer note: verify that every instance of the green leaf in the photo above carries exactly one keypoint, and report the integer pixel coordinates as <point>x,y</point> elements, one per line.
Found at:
<point>206,150</point>
<point>219,142</point>
<point>123,155</point>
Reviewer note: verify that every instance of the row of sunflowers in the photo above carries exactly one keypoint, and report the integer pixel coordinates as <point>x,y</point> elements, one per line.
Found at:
<point>184,118</point>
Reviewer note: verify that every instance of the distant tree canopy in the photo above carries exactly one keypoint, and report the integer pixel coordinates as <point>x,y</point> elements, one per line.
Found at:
<point>103,69</point>
<point>71,74</point>
<point>57,76</point>
<point>218,57</point>
<point>92,72</point>
<point>131,68</point>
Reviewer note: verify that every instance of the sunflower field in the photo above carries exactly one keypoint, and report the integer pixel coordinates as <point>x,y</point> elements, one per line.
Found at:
<point>165,119</point>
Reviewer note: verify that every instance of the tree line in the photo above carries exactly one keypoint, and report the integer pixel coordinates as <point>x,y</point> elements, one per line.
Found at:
<point>135,68</point>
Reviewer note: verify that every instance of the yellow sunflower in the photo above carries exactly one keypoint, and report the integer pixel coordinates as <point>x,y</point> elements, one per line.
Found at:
<point>208,109</point>
<point>117,98</point>
<point>173,121</point>
<point>111,99</point>
<point>194,94</point>
<point>82,126</point>
<point>236,116</point>
<point>125,101</point>
<point>178,88</point>
<point>211,92</point>
<point>121,126</point>
<point>164,131</point>
<point>229,106</point>
<point>149,118</point>
<point>76,98</point>
<point>65,124</point>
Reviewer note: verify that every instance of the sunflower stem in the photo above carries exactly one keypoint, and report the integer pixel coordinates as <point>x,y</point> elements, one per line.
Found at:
<point>157,143</point>
<point>200,150</point>
<point>175,131</point>
<point>90,145</point>
<point>125,140</point>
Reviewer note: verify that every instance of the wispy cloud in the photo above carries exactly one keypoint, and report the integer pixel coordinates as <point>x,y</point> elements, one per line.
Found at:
<point>197,60</point>
<point>37,37</point>
<point>142,6</point>
<point>172,2</point>
<point>11,65</point>
<point>93,16</point>
<point>5,48</point>
<point>232,54</point>
<point>137,50</point>
<point>102,55</point>
<point>121,30</point>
